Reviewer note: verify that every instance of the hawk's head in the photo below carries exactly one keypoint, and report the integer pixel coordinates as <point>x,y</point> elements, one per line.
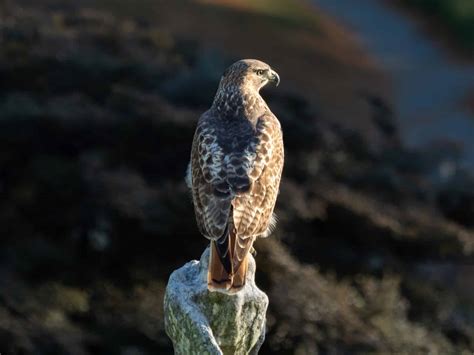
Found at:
<point>249,73</point>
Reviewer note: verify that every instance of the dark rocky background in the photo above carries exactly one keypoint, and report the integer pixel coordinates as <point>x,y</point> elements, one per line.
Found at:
<point>374,248</point>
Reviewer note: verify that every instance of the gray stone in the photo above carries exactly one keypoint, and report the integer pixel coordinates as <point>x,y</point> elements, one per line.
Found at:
<point>203,322</point>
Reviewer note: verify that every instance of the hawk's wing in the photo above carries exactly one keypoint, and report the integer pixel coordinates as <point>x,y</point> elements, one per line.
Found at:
<point>212,199</point>
<point>253,210</point>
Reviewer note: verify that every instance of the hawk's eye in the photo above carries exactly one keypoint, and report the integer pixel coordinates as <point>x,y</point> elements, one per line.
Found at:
<point>260,72</point>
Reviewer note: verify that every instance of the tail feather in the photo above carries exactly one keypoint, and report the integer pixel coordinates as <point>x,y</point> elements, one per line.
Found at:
<point>224,250</point>
<point>228,263</point>
<point>241,247</point>
<point>218,277</point>
<point>239,278</point>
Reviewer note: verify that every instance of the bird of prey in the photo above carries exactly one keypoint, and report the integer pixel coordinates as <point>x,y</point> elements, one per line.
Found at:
<point>235,170</point>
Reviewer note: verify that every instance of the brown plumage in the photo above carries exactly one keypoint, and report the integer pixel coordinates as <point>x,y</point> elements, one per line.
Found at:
<point>235,170</point>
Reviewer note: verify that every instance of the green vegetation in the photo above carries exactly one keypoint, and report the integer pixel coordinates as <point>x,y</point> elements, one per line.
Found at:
<point>296,12</point>
<point>457,15</point>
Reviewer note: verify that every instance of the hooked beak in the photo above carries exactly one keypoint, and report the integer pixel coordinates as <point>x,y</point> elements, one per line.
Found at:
<point>274,77</point>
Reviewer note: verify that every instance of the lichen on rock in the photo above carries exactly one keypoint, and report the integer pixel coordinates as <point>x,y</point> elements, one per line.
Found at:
<point>203,322</point>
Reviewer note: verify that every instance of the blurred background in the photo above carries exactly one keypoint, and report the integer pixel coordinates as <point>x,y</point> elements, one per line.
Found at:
<point>374,250</point>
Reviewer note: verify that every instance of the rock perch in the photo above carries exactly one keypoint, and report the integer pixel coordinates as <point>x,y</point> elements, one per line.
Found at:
<point>203,322</point>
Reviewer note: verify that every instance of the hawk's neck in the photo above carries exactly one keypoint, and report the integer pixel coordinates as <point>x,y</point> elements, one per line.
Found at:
<point>236,102</point>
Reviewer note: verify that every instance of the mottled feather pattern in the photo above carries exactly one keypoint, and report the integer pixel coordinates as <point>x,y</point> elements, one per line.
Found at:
<point>252,212</point>
<point>212,212</point>
<point>236,165</point>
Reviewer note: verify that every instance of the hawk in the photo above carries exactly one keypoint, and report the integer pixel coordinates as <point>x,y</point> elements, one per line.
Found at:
<point>235,170</point>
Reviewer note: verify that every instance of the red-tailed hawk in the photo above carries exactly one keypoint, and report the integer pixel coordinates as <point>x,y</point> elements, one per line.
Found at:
<point>235,170</point>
